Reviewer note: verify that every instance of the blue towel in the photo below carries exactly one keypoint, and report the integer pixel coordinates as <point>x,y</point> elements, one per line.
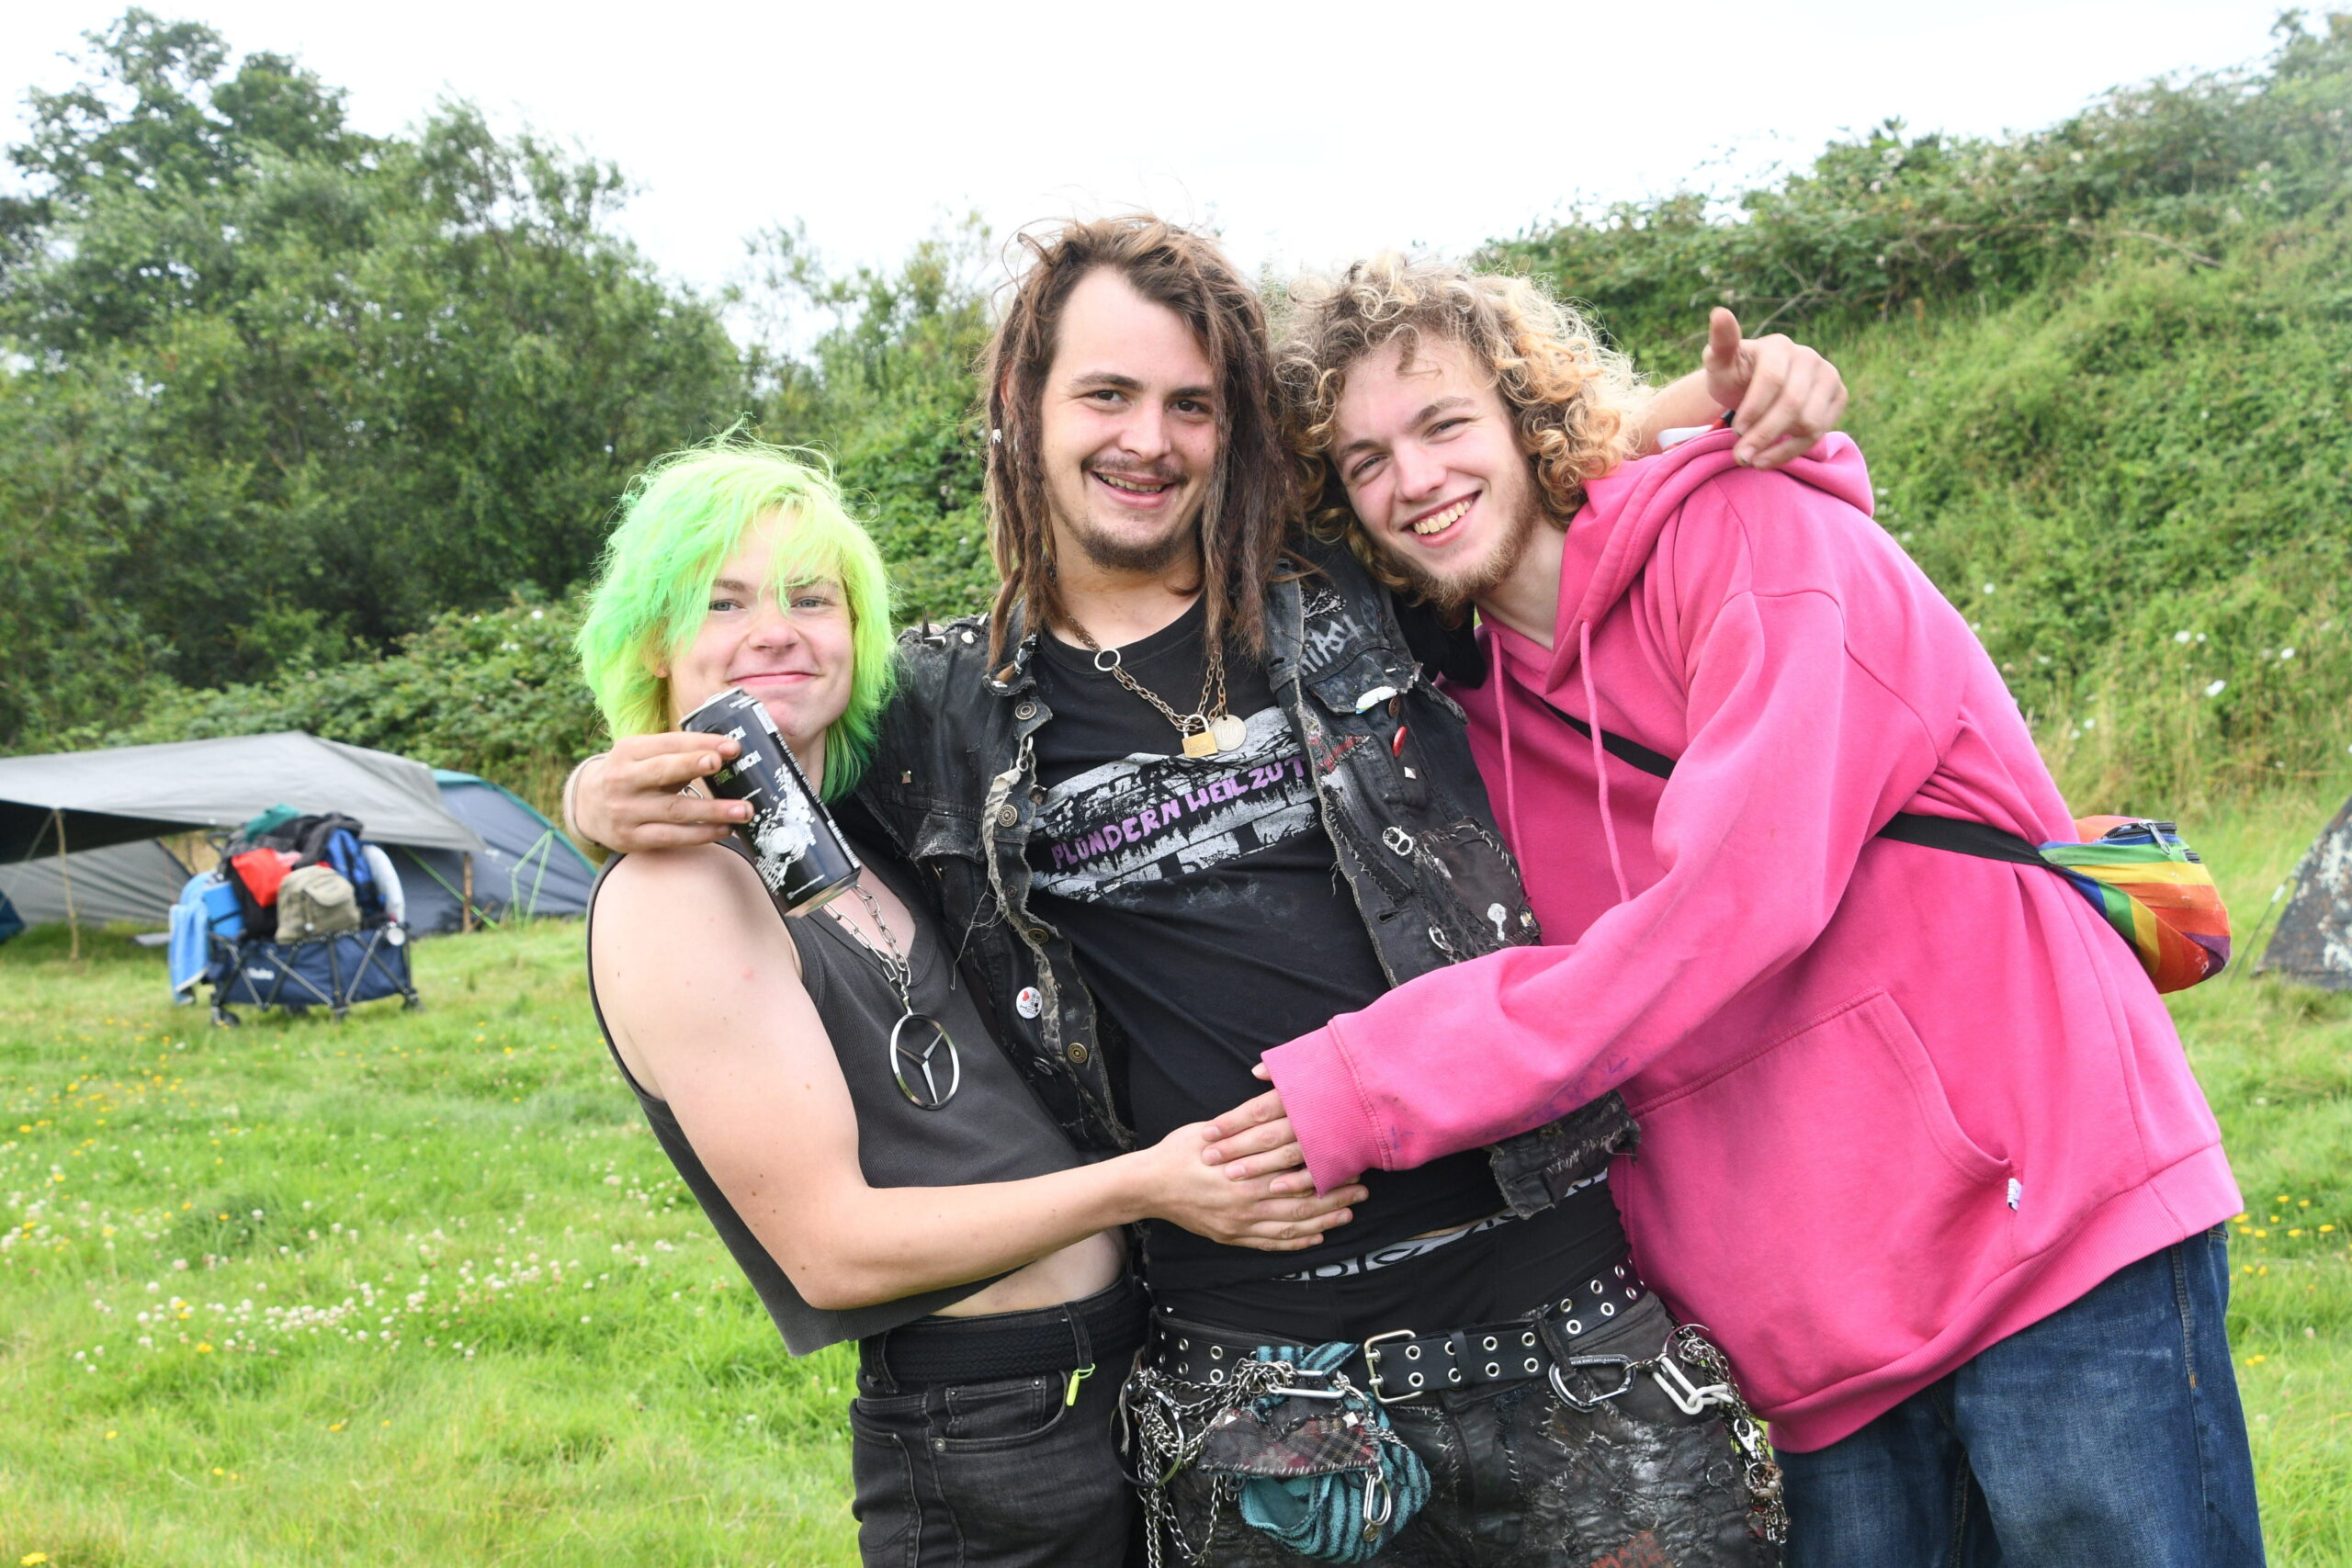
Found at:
<point>191,945</point>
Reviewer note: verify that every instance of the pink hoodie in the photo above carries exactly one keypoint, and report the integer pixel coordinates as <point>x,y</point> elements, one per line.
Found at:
<point>1896,1102</point>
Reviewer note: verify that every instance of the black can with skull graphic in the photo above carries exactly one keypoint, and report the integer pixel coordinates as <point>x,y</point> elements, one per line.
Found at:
<point>791,838</point>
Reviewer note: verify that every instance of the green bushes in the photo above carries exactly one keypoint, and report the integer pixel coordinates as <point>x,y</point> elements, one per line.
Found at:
<point>491,691</point>
<point>2140,490</point>
<point>2103,375</point>
<point>1888,223</point>
<point>346,470</point>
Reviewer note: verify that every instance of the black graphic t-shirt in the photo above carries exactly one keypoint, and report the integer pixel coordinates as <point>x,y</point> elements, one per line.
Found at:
<point>1210,920</point>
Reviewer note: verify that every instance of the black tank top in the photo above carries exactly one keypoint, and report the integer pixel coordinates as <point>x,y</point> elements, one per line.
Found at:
<point>991,1130</point>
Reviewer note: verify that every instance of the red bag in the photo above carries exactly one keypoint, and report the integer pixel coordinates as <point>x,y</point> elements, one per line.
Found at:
<point>262,869</point>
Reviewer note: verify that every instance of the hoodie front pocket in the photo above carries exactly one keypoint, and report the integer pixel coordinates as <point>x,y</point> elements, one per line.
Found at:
<point>1815,1202</point>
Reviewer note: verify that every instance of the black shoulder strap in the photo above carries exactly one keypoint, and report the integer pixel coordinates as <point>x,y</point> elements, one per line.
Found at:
<point>1979,838</point>
<point>1633,753</point>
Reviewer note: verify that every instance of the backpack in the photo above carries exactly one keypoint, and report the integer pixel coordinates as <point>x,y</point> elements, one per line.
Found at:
<point>315,901</point>
<point>310,835</point>
<point>331,839</point>
<point>256,876</point>
<point>343,852</point>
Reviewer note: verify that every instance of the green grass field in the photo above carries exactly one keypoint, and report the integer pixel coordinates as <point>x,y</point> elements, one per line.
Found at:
<point>418,1287</point>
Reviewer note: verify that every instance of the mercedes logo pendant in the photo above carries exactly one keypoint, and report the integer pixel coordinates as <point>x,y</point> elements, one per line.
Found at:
<point>921,1054</point>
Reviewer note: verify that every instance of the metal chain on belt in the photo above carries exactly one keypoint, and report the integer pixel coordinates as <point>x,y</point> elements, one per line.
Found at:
<point>1167,1420</point>
<point>1767,1513</point>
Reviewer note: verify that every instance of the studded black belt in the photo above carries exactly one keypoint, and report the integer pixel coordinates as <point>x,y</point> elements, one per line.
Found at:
<point>1405,1363</point>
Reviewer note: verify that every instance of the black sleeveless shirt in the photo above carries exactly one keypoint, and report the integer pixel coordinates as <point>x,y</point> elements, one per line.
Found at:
<point>991,1130</point>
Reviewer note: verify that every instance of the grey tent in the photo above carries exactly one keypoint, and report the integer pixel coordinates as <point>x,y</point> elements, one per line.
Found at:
<point>105,806</point>
<point>122,882</point>
<point>528,868</point>
<point>2314,942</point>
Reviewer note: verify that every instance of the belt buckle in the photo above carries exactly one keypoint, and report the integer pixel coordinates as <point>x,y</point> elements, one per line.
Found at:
<point>1371,1367</point>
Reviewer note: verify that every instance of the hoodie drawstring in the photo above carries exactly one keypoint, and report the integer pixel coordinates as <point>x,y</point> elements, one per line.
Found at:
<point>1599,758</point>
<point>1502,720</point>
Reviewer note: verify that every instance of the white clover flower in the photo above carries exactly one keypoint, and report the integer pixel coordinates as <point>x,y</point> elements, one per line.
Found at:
<point>2182,636</point>
<point>2215,688</point>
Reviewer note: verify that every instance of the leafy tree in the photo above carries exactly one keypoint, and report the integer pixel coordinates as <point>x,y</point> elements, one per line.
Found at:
<point>315,386</point>
<point>885,387</point>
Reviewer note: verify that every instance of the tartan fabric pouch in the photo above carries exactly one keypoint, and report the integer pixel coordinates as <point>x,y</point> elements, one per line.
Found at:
<point>1323,1476</point>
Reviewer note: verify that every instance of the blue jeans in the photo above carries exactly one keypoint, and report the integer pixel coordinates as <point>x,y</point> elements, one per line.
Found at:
<point>2108,1433</point>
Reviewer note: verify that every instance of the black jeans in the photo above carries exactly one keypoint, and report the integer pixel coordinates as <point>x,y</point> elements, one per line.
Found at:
<point>1519,1479</point>
<point>999,1471</point>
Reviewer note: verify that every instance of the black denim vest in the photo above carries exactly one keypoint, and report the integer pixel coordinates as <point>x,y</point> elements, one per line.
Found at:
<point>954,783</point>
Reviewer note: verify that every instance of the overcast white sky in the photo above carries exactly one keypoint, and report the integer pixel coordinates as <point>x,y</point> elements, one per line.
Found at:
<point>1307,133</point>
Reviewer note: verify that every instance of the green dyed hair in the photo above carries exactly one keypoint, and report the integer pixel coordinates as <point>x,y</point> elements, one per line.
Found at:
<point>681,520</point>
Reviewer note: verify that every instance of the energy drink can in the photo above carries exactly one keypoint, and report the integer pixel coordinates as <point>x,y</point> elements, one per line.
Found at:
<point>791,838</point>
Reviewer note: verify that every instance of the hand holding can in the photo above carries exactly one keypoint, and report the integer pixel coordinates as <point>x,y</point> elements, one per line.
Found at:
<point>791,839</point>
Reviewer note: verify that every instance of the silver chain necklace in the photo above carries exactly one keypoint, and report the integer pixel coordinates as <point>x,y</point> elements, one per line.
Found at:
<point>917,1040</point>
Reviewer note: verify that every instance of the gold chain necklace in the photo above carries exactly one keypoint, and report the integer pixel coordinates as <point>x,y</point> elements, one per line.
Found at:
<point>1208,728</point>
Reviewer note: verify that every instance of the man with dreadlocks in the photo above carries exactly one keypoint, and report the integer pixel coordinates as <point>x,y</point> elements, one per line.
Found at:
<point>1185,794</point>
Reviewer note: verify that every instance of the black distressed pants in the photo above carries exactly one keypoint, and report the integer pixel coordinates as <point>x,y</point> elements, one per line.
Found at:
<point>1520,1478</point>
<point>1001,1471</point>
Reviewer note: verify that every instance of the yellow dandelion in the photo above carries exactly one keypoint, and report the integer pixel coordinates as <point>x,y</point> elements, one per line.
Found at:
<point>32,1559</point>
<point>111,1436</point>
<point>2255,1361</point>
<point>336,1427</point>
<point>204,1347</point>
<point>2324,1229</point>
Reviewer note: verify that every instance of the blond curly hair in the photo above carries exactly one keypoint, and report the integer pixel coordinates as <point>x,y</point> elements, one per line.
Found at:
<point>1574,401</point>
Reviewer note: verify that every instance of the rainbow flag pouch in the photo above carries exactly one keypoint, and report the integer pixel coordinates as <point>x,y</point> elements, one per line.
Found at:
<point>2154,891</point>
